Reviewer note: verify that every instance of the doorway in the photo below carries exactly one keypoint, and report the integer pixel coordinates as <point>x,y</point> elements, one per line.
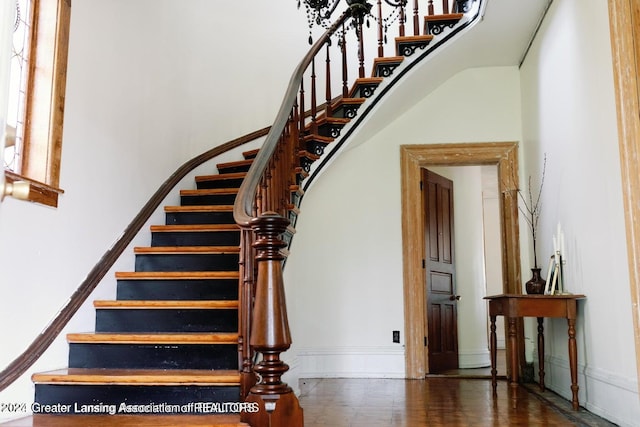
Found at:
<point>414,158</point>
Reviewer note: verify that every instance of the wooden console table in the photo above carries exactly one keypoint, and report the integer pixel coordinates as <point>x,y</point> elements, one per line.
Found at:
<point>512,307</point>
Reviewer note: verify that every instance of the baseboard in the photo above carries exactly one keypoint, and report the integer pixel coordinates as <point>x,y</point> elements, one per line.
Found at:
<point>352,362</point>
<point>469,359</point>
<point>606,394</point>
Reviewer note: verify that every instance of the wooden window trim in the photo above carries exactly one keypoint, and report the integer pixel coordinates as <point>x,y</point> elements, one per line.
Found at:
<point>46,85</point>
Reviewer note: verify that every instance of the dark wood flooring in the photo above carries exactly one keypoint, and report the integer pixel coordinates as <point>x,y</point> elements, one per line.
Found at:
<point>454,398</point>
<point>435,401</point>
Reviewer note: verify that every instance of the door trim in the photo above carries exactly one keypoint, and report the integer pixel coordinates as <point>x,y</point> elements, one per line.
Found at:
<point>412,159</point>
<point>624,18</point>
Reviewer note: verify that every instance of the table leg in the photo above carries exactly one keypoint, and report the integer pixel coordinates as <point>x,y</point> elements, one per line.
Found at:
<point>573,363</point>
<point>513,355</point>
<point>541,352</point>
<point>493,348</point>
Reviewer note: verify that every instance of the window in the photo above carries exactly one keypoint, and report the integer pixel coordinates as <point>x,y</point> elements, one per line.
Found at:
<point>36,110</point>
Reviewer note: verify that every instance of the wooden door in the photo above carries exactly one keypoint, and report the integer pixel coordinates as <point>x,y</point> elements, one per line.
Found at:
<point>441,321</point>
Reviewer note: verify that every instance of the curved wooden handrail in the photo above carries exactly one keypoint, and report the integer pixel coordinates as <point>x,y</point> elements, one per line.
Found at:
<point>243,207</point>
<point>23,362</point>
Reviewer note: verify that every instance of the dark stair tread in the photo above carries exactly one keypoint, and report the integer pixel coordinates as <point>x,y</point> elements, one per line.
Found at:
<point>153,338</point>
<point>386,60</point>
<point>160,377</point>
<point>209,192</point>
<point>444,17</point>
<point>165,304</point>
<point>176,275</point>
<point>251,154</point>
<point>388,63</point>
<point>334,120</point>
<point>234,164</point>
<point>220,177</point>
<point>418,38</point>
<point>293,188</point>
<point>127,421</point>
<point>365,81</point>
<point>199,208</point>
<point>186,250</point>
<point>316,137</point>
<point>347,101</point>
<point>194,227</point>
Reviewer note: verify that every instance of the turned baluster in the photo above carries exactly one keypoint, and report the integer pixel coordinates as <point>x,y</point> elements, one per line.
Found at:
<point>361,72</point>
<point>416,18</point>
<point>401,19</point>
<point>301,117</point>
<point>345,72</point>
<point>314,101</point>
<point>270,334</point>
<point>329,108</point>
<point>380,31</point>
<point>430,8</point>
<point>245,295</point>
<point>445,7</point>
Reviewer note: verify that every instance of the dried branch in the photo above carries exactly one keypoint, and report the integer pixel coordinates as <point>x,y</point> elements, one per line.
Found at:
<point>531,210</point>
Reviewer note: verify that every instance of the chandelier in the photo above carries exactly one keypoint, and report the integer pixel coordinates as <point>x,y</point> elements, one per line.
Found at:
<point>319,12</point>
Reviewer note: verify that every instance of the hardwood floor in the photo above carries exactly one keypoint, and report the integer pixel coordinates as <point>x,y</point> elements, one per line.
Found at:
<point>454,398</point>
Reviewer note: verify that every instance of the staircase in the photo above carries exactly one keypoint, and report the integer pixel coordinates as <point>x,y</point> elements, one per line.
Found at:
<point>172,348</point>
<point>171,336</point>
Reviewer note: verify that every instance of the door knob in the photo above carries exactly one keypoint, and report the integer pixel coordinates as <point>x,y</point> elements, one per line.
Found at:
<point>455,297</point>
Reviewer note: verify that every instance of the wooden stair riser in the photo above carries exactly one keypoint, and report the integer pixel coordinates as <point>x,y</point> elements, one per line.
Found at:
<point>166,320</point>
<point>208,199</point>
<point>74,397</point>
<point>173,290</point>
<point>193,218</point>
<point>153,356</point>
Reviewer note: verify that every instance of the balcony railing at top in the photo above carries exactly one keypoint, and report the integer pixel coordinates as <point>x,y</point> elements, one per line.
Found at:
<point>267,198</point>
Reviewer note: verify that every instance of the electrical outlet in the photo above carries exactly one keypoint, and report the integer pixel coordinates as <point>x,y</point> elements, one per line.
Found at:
<point>396,336</point>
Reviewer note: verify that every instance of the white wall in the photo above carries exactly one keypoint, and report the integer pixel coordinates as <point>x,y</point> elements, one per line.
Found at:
<point>151,84</point>
<point>344,275</point>
<point>568,110</point>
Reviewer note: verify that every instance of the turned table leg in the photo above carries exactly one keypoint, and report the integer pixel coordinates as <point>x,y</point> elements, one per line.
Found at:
<point>541,352</point>
<point>513,354</point>
<point>493,348</point>
<point>573,363</point>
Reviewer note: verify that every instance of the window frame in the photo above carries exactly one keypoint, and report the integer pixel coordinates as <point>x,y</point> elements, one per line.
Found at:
<point>44,109</point>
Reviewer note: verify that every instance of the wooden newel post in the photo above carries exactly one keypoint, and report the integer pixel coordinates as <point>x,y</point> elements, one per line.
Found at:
<point>270,334</point>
